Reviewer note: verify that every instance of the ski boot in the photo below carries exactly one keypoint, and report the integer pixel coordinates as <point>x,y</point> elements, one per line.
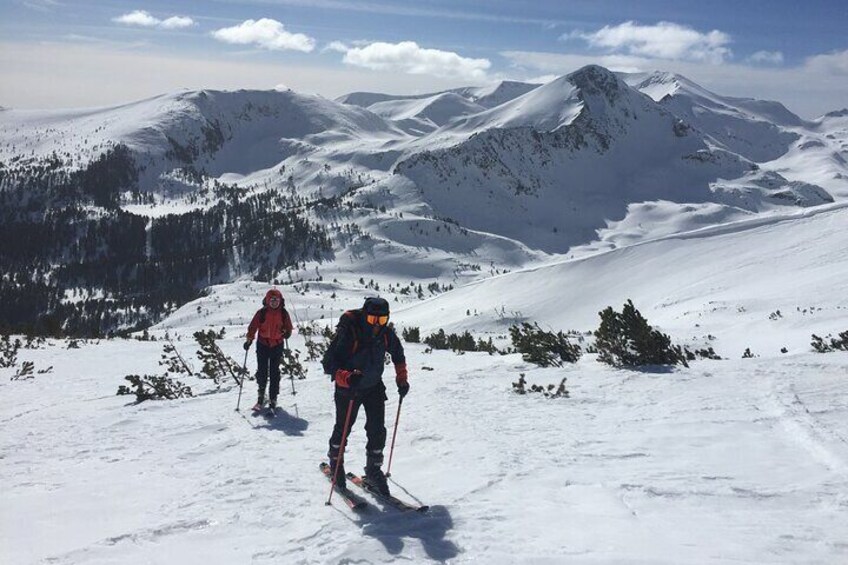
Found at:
<point>272,407</point>
<point>374,474</point>
<point>341,478</point>
<point>260,402</point>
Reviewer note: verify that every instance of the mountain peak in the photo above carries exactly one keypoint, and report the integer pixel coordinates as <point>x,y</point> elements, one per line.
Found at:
<point>837,113</point>
<point>593,76</point>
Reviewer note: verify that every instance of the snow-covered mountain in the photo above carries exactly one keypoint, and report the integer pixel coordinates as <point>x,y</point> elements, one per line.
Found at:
<point>723,219</point>
<point>726,460</point>
<point>446,186</point>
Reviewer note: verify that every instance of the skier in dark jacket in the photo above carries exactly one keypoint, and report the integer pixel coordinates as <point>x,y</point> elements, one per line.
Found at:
<point>274,325</point>
<point>356,364</point>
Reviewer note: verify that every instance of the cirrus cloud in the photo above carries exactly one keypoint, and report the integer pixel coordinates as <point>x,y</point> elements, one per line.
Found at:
<point>664,40</point>
<point>266,33</point>
<point>408,57</point>
<point>766,57</point>
<point>145,19</point>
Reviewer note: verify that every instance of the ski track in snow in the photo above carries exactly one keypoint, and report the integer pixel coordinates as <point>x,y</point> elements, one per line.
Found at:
<point>741,461</point>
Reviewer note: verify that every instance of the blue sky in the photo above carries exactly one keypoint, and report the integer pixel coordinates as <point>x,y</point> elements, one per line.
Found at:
<point>56,53</point>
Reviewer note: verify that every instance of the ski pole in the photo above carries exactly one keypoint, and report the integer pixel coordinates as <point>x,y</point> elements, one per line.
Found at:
<point>291,375</point>
<point>340,458</point>
<point>394,435</point>
<point>243,376</point>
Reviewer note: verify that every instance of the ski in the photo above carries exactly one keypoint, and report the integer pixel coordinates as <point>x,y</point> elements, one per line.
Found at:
<point>389,499</point>
<point>270,412</point>
<point>353,500</point>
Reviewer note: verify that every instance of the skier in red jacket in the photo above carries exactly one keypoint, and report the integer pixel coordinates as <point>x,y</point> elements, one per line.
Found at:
<point>274,325</point>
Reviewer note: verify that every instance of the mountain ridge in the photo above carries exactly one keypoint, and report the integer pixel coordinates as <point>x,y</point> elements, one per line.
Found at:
<point>586,161</point>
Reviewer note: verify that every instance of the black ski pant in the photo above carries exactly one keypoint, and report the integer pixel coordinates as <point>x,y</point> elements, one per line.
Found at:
<point>268,363</point>
<point>373,399</point>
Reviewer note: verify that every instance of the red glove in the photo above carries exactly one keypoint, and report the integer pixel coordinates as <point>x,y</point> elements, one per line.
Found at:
<point>348,379</point>
<point>401,379</point>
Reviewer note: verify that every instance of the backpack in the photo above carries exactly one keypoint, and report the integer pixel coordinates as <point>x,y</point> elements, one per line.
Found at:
<point>263,312</point>
<point>335,344</point>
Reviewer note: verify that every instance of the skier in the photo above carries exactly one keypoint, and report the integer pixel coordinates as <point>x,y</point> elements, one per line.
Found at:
<point>355,361</point>
<point>274,325</point>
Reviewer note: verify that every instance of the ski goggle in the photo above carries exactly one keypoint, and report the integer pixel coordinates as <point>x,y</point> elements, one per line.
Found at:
<point>375,320</point>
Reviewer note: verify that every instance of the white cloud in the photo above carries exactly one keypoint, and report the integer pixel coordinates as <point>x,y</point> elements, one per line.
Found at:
<point>137,18</point>
<point>64,75</point>
<point>835,63</point>
<point>766,57</point>
<point>336,46</point>
<point>408,57</point>
<point>665,40</point>
<point>266,33</point>
<point>177,22</point>
<point>144,19</point>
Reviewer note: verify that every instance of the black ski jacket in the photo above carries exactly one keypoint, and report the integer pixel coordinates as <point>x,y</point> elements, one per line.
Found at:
<point>358,347</point>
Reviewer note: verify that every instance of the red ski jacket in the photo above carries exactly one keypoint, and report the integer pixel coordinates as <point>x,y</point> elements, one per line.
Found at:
<point>273,324</point>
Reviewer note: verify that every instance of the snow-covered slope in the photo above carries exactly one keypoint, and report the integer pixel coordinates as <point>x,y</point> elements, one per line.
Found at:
<point>451,186</point>
<point>738,461</point>
<point>754,129</point>
<point>723,281</point>
<point>537,168</point>
<point>438,109</point>
<point>762,131</point>
<point>212,131</point>
<point>487,96</point>
<point>741,460</point>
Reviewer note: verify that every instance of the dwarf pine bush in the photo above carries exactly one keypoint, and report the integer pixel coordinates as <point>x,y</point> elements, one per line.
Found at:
<point>543,348</point>
<point>626,339</point>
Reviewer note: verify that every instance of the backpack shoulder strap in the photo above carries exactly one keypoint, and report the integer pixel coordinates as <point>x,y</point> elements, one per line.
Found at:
<point>353,317</point>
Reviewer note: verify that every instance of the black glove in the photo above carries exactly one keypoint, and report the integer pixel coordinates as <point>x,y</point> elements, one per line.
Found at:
<point>247,344</point>
<point>354,378</point>
<point>403,389</point>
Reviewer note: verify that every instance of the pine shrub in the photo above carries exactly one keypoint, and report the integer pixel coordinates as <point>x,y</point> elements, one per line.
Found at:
<point>411,335</point>
<point>627,340</point>
<point>25,372</point>
<point>829,343</point>
<point>459,343</point>
<point>153,387</point>
<point>217,365</point>
<point>9,351</point>
<point>704,353</point>
<point>520,387</point>
<point>173,361</point>
<point>291,366</point>
<point>316,339</point>
<point>543,348</point>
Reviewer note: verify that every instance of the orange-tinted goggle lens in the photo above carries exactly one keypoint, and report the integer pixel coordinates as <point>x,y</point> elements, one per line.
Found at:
<point>375,320</point>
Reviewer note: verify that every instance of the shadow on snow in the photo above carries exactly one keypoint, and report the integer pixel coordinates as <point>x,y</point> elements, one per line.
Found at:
<point>289,424</point>
<point>393,528</point>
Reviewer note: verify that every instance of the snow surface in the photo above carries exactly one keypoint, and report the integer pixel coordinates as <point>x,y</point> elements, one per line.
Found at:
<point>722,218</point>
<point>738,460</point>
